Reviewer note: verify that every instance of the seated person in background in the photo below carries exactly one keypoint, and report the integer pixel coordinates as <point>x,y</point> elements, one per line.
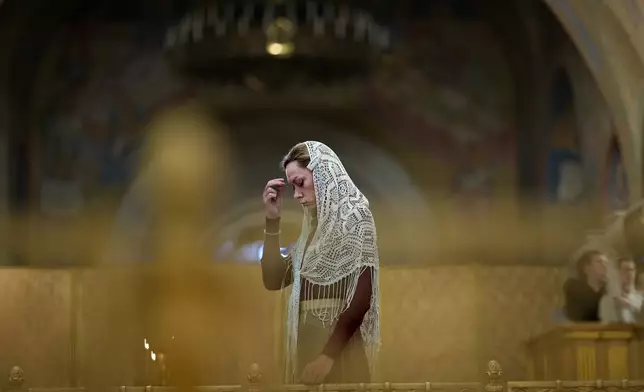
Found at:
<point>627,307</point>
<point>583,293</point>
<point>639,284</point>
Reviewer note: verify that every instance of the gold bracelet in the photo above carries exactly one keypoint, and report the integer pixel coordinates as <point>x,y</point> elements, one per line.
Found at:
<point>278,233</point>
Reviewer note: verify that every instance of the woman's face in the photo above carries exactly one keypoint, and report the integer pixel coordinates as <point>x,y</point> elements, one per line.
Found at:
<point>302,180</point>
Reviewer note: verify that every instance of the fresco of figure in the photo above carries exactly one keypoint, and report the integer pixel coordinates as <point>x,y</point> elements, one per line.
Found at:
<point>616,187</point>
<point>565,176</point>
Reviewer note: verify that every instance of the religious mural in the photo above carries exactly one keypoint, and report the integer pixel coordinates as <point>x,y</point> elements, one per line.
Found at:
<point>453,95</point>
<point>98,93</point>
<point>565,182</point>
<point>616,185</point>
<point>565,177</point>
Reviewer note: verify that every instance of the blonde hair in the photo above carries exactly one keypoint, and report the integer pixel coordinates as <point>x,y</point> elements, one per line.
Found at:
<point>299,153</point>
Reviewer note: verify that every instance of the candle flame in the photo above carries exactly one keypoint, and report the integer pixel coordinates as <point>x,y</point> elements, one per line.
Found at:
<point>146,344</point>
<point>153,355</point>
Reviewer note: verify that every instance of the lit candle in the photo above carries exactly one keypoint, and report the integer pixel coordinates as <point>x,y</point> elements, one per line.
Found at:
<point>146,361</point>
<point>153,357</point>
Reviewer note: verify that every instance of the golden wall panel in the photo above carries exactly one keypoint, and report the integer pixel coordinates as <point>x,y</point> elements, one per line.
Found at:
<point>516,303</point>
<point>439,323</point>
<point>429,328</point>
<point>109,326</point>
<point>35,306</point>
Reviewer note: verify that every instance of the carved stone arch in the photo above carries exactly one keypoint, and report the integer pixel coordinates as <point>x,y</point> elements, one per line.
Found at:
<point>611,57</point>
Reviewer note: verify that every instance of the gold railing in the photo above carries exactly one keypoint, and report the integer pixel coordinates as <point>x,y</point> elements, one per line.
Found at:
<point>576,386</point>
<point>493,383</point>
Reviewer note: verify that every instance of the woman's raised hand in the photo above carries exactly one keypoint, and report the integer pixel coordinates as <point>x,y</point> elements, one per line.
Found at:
<point>272,198</point>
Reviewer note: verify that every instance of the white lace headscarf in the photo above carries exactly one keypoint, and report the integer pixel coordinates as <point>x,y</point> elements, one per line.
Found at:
<point>343,246</point>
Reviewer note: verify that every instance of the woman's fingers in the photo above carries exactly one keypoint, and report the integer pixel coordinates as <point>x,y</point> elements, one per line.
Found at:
<point>311,375</point>
<point>270,194</point>
<point>271,190</point>
<point>279,182</point>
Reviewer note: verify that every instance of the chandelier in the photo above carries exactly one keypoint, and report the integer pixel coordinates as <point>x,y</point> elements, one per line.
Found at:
<point>318,41</point>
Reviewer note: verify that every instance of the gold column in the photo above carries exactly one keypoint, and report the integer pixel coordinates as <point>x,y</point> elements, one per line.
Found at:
<point>183,172</point>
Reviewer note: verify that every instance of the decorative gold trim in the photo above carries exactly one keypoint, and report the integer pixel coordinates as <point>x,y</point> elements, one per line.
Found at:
<point>617,335</point>
<point>595,335</point>
<point>592,335</point>
<point>494,384</point>
<point>494,373</point>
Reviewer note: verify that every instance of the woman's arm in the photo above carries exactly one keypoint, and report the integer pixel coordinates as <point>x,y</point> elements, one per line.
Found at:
<point>276,271</point>
<point>350,320</point>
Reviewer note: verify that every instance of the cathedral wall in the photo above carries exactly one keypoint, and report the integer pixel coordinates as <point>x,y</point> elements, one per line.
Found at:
<point>439,323</point>
<point>35,333</point>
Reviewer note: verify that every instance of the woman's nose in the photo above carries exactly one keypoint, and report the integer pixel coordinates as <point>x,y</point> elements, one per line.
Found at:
<point>297,195</point>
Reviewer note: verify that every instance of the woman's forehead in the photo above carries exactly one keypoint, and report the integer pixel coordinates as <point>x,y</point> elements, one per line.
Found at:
<point>293,170</point>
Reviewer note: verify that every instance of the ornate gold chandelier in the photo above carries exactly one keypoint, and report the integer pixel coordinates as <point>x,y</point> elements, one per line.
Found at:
<point>319,39</point>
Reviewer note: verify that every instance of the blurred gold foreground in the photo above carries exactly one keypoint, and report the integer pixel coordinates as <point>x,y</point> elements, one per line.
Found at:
<point>182,166</point>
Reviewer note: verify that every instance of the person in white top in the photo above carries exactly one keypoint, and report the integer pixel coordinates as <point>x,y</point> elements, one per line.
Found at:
<point>627,307</point>
<point>639,284</point>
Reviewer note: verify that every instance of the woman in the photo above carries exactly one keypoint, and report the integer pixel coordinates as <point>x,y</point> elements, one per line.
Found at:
<point>333,269</point>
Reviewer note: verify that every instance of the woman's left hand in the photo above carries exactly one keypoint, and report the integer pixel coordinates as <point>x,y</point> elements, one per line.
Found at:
<point>317,370</point>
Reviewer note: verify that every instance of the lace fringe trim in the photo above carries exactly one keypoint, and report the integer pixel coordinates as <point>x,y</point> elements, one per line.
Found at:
<point>327,306</point>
